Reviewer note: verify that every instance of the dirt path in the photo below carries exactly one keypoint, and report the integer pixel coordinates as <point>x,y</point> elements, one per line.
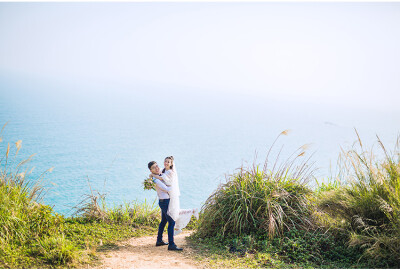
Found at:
<point>142,253</point>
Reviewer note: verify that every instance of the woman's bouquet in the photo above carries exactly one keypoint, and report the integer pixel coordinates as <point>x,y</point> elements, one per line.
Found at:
<point>148,184</point>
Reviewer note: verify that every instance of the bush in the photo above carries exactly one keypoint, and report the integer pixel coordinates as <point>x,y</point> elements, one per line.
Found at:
<point>255,201</point>
<point>55,250</point>
<point>367,207</point>
<point>352,221</point>
<point>252,202</point>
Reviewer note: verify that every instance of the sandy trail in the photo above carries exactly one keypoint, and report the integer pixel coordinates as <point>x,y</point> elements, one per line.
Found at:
<point>141,252</point>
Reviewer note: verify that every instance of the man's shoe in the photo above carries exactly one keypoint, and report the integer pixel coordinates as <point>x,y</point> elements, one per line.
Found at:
<point>162,243</point>
<point>175,248</point>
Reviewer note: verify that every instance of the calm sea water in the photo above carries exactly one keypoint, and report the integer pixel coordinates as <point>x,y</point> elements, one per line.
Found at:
<point>108,133</point>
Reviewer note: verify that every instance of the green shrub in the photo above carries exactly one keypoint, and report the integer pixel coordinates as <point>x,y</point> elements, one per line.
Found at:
<point>255,201</point>
<point>252,201</point>
<point>314,248</point>
<point>367,207</point>
<point>296,248</point>
<point>352,221</point>
<point>55,250</point>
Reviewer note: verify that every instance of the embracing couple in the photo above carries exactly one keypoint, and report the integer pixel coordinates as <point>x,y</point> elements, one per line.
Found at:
<point>167,187</point>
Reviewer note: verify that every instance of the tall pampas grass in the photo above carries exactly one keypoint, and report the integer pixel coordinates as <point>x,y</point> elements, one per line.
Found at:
<point>264,201</point>
<point>368,201</point>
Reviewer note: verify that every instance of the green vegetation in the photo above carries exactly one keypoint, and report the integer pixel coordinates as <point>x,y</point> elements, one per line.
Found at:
<point>255,201</point>
<point>32,235</point>
<point>265,217</point>
<point>293,249</point>
<point>270,218</point>
<point>367,208</point>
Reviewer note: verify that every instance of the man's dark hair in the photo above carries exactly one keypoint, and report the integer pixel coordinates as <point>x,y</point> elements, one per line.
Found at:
<point>151,163</point>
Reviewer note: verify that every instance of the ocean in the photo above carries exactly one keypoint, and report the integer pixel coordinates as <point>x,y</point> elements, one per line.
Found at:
<point>105,134</point>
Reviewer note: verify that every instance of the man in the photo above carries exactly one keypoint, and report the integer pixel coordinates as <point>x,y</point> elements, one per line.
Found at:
<point>162,192</point>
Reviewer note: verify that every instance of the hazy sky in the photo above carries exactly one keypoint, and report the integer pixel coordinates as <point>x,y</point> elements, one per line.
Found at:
<point>344,53</point>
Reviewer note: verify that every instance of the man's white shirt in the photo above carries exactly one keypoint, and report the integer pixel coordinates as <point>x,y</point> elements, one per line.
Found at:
<point>161,188</point>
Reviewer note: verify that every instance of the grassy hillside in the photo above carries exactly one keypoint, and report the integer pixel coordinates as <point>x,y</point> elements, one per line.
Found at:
<point>271,218</point>
<point>262,217</point>
<point>32,235</point>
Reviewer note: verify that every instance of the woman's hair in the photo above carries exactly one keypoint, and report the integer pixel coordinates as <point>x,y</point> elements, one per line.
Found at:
<point>171,158</point>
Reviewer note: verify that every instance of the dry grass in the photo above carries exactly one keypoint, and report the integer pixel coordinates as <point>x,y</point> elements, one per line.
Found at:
<point>92,205</point>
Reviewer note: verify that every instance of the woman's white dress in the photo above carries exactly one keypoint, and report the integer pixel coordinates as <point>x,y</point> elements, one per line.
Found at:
<point>180,216</point>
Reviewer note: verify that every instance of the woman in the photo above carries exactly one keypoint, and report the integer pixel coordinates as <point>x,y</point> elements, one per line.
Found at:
<point>170,177</point>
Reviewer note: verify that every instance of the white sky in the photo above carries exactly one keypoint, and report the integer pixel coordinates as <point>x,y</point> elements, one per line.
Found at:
<point>344,53</point>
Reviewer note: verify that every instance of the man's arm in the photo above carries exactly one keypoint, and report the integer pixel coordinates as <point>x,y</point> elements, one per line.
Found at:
<point>161,185</point>
<point>160,177</point>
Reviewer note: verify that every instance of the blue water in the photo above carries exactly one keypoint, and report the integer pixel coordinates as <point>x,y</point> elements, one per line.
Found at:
<point>108,134</point>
